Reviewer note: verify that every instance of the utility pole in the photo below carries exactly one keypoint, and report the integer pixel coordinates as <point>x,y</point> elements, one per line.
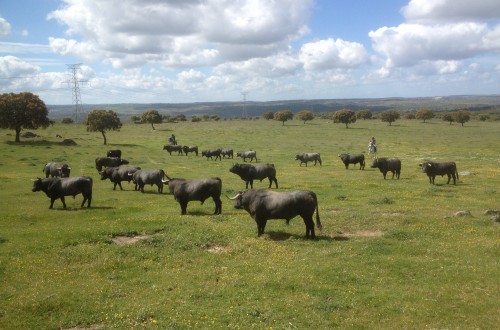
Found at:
<point>244,112</point>
<point>75,84</point>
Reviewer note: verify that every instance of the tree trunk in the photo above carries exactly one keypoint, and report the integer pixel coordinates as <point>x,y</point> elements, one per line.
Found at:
<point>18,134</point>
<point>104,136</point>
<point>152,126</point>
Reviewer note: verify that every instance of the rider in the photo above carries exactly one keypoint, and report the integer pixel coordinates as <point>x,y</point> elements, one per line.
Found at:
<point>172,140</point>
<point>373,143</point>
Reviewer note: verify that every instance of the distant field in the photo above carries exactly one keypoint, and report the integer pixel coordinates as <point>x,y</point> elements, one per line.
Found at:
<point>392,253</point>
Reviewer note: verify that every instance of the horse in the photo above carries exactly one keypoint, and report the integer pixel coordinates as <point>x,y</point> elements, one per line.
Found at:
<point>372,149</point>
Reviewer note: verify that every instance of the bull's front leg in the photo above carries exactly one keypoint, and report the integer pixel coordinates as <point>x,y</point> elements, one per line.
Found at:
<point>183,205</point>
<point>261,225</point>
<point>63,201</point>
<point>218,206</point>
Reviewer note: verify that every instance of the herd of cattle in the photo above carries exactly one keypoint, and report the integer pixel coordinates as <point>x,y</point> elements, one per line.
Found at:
<point>261,204</point>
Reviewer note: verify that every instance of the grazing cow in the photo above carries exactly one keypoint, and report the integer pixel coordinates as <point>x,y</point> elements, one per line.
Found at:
<point>101,162</point>
<point>185,191</point>
<point>353,159</point>
<point>114,153</point>
<point>57,188</point>
<point>263,205</point>
<point>247,154</point>
<point>432,169</point>
<point>309,157</point>
<point>188,149</point>
<point>227,152</point>
<point>388,164</point>
<point>118,174</point>
<point>171,147</point>
<point>151,177</point>
<point>212,153</point>
<point>56,169</point>
<point>248,173</point>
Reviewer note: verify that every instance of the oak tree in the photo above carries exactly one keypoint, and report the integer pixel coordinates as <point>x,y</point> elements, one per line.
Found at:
<point>151,117</point>
<point>389,116</point>
<point>22,111</point>
<point>283,116</point>
<point>101,121</point>
<point>305,115</point>
<point>344,116</point>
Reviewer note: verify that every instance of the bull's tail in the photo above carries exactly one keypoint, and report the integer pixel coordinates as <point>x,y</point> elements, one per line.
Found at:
<point>318,222</point>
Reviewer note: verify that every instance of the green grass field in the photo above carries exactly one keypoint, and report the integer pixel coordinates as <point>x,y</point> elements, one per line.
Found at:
<point>392,254</point>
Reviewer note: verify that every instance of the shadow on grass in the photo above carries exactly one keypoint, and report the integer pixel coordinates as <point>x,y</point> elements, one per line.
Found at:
<point>34,143</point>
<point>283,236</point>
<point>85,208</point>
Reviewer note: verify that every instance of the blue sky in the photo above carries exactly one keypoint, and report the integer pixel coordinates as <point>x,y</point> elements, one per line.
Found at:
<point>152,51</point>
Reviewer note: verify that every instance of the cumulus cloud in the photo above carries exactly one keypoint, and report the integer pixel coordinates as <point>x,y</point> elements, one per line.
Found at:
<point>451,10</point>
<point>179,33</point>
<point>330,54</point>
<point>4,27</point>
<point>439,35</point>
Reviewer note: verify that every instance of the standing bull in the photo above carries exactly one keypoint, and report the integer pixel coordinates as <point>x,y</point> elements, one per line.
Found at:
<point>185,191</point>
<point>118,174</point>
<point>353,159</point>
<point>248,173</point>
<point>227,152</point>
<point>114,153</point>
<point>432,169</point>
<point>309,157</point>
<point>212,153</point>
<point>56,169</point>
<point>188,149</point>
<point>151,177</point>
<point>247,154</point>
<point>385,165</point>
<point>101,162</point>
<point>265,205</point>
<point>171,147</point>
<point>57,188</point>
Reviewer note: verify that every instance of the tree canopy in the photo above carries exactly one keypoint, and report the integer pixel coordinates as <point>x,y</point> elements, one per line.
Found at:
<point>344,116</point>
<point>151,117</point>
<point>283,116</point>
<point>424,114</point>
<point>103,120</point>
<point>389,116</point>
<point>364,114</point>
<point>22,111</point>
<point>305,115</point>
<point>462,116</point>
<point>268,115</point>
<point>448,117</point>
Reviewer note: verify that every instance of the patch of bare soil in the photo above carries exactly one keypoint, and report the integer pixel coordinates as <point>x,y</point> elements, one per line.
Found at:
<point>216,248</point>
<point>363,233</point>
<point>128,240</point>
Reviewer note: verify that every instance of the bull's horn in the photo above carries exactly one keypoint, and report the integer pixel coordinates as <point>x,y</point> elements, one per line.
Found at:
<point>233,198</point>
<point>69,168</point>
<point>59,168</point>
<point>164,181</point>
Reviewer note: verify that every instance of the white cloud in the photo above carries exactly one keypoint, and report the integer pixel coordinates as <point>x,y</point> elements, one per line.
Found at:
<point>4,27</point>
<point>11,66</point>
<point>179,34</point>
<point>408,44</point>
<point>451,10</point>
<point>330,54</point>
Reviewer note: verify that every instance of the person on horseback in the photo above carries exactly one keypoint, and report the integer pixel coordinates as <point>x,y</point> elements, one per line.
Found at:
<point>372,145</point>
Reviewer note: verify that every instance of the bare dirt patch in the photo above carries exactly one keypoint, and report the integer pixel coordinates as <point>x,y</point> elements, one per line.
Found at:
<point>128,240</point>
<point>362,233</point>
<point>216,248</point>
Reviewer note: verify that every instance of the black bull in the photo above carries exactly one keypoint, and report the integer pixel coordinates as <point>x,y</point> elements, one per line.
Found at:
<point>151,177</point>
<point>118,174</point>
<point>353,159</point>
<point>57,188</point>
<point>248,173</point>
<point>101,162</point>
<point>385,165</point>
<point>265,205</point>
<point>185,191</point>
<point>432,169</point>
